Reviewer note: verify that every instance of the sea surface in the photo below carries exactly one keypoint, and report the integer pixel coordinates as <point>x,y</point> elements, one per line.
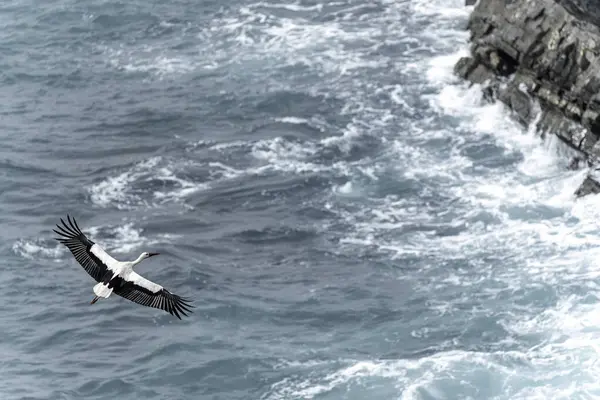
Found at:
<point>350,219</point>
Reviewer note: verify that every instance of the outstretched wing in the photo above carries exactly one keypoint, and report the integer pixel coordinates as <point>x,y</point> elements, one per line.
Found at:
<point>142,291</point>
<point>92,257</point>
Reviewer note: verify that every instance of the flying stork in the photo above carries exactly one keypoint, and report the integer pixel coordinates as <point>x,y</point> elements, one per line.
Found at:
<point>118,276</point>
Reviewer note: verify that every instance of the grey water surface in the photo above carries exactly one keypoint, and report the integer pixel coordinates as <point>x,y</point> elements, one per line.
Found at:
<point>350,220</point>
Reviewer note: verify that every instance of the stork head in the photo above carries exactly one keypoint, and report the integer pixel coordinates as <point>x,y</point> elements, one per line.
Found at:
<point>143,256</point>
<point>148,255</point>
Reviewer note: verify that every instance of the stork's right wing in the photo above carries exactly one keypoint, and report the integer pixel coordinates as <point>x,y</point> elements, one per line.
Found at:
<point>92,257</point>
<point>147,293</point>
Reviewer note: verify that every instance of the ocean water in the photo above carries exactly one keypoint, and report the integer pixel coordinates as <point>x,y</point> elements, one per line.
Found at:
<point>350,219</point>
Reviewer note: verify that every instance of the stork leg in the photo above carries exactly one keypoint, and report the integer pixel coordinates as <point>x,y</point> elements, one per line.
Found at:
<point>95,299</point>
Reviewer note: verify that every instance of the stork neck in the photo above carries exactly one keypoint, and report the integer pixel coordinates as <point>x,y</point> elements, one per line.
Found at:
<point>137,260</point>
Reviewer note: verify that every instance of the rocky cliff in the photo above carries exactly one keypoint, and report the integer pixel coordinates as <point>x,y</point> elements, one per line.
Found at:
<point>545,52</point>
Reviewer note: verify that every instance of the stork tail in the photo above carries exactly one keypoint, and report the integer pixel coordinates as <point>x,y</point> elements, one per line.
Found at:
<point>102,290</point>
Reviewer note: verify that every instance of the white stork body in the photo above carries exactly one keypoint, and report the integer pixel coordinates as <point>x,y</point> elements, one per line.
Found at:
<point>118,276</point>
<point>121,269</point>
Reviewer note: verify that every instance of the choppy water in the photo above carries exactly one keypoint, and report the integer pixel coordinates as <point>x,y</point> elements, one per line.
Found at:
<point>351,221</point>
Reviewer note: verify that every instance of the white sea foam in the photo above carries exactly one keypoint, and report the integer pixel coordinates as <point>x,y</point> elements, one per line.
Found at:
<point>185,187</point>
<point>440,70</point>
<point>127,190</point>
<point>229,145</point>
<point>294,120</point>
<point>291,6</point>
<point>222,171</point>
<point>147,59</point>
<point>36,250</point>
<point>344,142</point>
<point>283,155</point>
<point>347,189</point>
<point>458,373</point>
<point>313,122</point>
<point>125,238</point>
<point>113,191</point>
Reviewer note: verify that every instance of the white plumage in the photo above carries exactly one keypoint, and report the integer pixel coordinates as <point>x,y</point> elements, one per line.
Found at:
<point>118,276</point>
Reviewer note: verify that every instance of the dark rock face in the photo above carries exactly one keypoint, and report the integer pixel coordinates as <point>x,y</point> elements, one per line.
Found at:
<point>545,52</point>
<point>589,186</point>
<point>587,10</point>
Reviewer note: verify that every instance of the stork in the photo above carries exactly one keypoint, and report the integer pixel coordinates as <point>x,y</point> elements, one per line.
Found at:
<point>118,276</point>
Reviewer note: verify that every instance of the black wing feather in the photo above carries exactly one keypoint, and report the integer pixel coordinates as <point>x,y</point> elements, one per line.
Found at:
<point>80,246</point>
<point>162,300</point>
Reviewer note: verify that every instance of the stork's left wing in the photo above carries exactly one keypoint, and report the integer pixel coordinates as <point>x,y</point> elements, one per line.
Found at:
<point>142,291</point>
<point>88,254</point>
